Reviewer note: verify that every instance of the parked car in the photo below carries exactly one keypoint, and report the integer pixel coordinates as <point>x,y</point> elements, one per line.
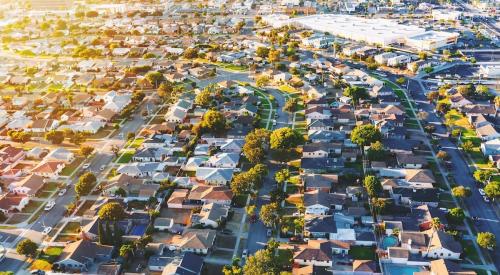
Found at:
<point>49,205</point>
<point>269,232</point>
<point>481,191</point>
<point>486,199</point>
<point>62,192</point>
<point>47,230</point>
<point>86,166</point>
<point>244,254</point>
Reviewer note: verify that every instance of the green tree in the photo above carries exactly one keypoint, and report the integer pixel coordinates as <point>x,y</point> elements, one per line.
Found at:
<point>85,184</point>
<point>255,144</point>
<point>262,80</point>
<point>117,234</point>
<point>126,250</point>
<point>165,89</point>
<point>55,137</point>
<point>376,152</point>
<point>482,90</point>
<point>467,146</point>
<point>282,175</point>
<point>111,211</point>
<point>355,93</point>
<point>203,98</point>
<point>262,52</point>
<point>155,78</point>
<point>285,139</point>
<point>85,151</point>
<point>366,134</point>
<point>262,262</point>
<point>456,215</point>
<point>274,56</point>
<point>486,240</point>
<point>433,96</point>
<point>461,192</point>
<point>482,175</point>
<point>492,189</point>
<point>101,234</point>
<point>27,248</point>
<point>372,185</point>
<point>191,53</point>
<point>213,121</point>
<point>291,105</point>
<point>270,214</point>
<point>234,268</point>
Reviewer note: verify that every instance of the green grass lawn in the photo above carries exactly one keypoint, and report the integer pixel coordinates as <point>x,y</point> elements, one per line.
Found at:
<point>362,252</point>
<point>32,206</point>
<point>135,143</point>
<point>71,228</point>
<point>69,169</point>
<point>287,89</point>
<point>470,252</point>
<point>126,157</point>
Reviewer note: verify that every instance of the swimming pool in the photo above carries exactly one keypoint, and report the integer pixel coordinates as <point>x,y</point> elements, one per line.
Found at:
<point>397,269</point>
<point>389,241</point>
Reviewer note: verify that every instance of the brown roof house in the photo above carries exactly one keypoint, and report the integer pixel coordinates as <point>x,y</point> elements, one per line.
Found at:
<point>49,169</point>
<point>28,186</point>
<point>194,240</point>
<point>79,256</point>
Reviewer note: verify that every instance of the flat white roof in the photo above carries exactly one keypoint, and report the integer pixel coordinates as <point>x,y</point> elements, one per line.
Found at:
<point>374,31</point>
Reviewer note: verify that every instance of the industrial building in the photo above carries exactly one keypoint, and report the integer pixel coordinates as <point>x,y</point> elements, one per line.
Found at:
<point>383,32</point>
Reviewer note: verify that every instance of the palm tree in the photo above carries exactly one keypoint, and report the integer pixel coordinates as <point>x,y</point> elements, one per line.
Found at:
<point>435,226</point>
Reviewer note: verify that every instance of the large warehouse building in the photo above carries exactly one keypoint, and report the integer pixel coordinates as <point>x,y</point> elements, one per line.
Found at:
<point>382,32</point>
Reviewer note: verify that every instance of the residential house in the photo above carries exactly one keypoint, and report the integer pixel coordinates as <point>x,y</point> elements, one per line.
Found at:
<point>190,264</point>
<point>210,194</point>
<point>49,169</point>
<point>321,182</point>
<point>215,176</point>
<point>224,160</point>
<point>28,186</point>
<point>321,165</point>
<point>60,154</point>
<point>198,241</point>
<point>81,255</point>
<point>177,199</point>
<point>10,203</point>
<point>320,203</point>
<point>315,253</point>
<point>211,215</point>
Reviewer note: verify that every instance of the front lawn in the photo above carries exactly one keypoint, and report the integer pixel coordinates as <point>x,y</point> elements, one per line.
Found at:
<point>70,168</point>
<point>71,228</point>
<point>32,206</point>
<point>135,143</point>
<point>126,156</point>
<point>362,252</point>
<point>46,258</point>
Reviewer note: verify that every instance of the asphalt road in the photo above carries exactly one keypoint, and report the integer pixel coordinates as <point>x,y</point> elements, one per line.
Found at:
<point>462,174</point>
<point>103,158</point>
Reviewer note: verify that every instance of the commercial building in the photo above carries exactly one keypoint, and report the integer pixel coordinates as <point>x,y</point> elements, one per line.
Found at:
<point>431,40</point>
<point>383,57</point>
<point>383,32</point>
<point>446,15</point>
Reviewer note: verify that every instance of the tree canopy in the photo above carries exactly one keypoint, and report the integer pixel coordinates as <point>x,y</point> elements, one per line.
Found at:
<point>85,184</point>
<point>27,248</point>
<point>486,240</point>
<point>213,121</point>
<point>55,137</point>
<point>255,145</point>
<point>111,211</point>
<point>269,214</point>
<point>285,139</point>
<point>355,93</point>
<point>366,134</point>
<point>372,185</point>
<point>461,192</point>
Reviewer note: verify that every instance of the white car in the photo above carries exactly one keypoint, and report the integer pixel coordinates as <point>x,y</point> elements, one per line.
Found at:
<point>62,192</point>
<point>244,254</point>
<point>486,199</point>
<point>274,122</point>
<point>481,191</point>
<point>49,205</point>
<point>102,168</point>
<point>47,230</point>
<point>86,166</point>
